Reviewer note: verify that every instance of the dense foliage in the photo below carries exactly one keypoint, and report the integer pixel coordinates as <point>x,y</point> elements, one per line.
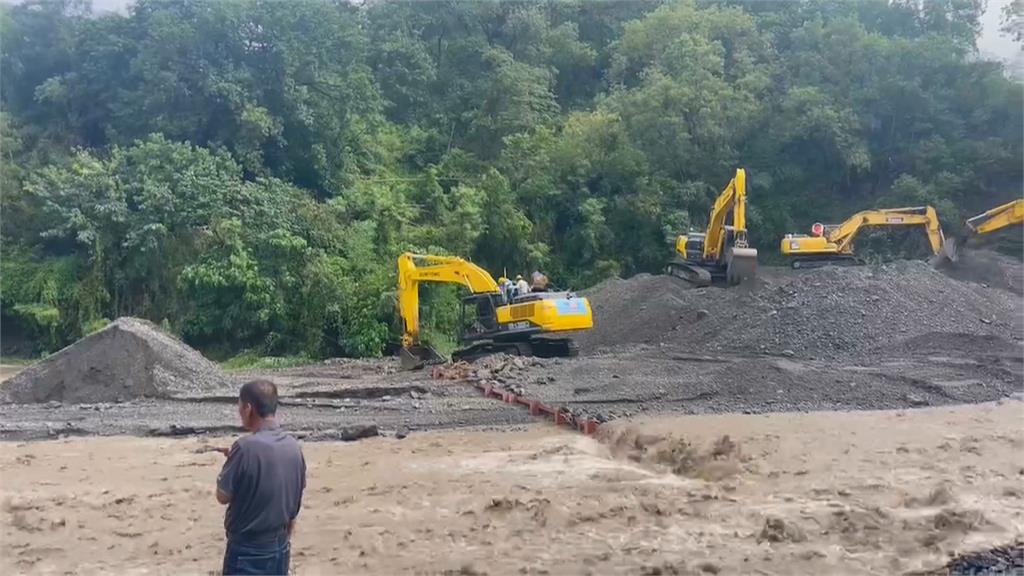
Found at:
<point>245,172</point>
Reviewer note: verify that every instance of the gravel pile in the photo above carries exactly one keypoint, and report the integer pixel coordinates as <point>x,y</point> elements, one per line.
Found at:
<point>644,309</point>
<point>825,312</point>
<point>129,358</point>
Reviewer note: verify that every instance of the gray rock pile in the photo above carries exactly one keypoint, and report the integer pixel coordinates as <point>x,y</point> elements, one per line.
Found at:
<point>502,370</point>
<point>823,313</point>
<point>129,358</point>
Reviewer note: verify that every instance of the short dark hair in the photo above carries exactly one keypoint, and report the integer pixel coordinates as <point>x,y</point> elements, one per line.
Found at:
<point>261,395</point>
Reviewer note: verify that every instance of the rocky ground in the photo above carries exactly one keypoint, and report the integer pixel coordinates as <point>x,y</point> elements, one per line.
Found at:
<point>900,335</point>
<point>344,400</point>
<point>824,313</point>
<point>347,401</point>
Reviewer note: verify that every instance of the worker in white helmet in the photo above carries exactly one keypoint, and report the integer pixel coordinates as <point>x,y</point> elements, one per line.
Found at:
<point>521,286</point>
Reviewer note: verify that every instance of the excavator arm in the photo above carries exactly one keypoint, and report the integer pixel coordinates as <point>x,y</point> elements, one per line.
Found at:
<point>1006,215</point>
<point>443,269</point>
<point>843,235</point>
<point>997,218</point>
<point>733,198</point>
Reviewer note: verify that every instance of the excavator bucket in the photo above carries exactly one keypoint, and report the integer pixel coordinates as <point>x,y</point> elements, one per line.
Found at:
<point>947,255</point>
<point>949,250</point>
<point>417,356</point>
<point>741,265</point>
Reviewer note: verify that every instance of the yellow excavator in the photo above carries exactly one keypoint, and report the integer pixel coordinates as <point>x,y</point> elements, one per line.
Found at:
<point>989,221</point>
<point>722,252</point>
<point>833,244</point>
<point>493,320</point>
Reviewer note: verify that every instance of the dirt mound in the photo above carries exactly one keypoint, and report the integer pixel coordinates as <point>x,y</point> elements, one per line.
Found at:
<point>822,313</point>
<point>129,358</point>
<point>640,310</point>
<point>988,268</point>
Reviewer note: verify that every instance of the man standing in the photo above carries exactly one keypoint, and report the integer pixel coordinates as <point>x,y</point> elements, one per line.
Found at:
<point>506,288</point>
<point>522,288</point>
<point>262,483</point>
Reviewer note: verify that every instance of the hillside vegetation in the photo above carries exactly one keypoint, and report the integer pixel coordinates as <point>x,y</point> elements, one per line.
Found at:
<point>246,172</point>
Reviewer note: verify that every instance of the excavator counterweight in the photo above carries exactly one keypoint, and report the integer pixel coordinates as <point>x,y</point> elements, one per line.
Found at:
<point>721,252</point>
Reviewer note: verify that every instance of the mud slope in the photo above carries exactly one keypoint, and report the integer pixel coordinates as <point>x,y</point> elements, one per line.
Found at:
<point>988,268</point>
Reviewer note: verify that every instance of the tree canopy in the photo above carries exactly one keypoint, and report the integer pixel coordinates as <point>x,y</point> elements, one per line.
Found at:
<point>245,171</point>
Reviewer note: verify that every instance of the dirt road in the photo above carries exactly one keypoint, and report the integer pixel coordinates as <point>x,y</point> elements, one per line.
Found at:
<point>837,493</point>
<point>898,335</point>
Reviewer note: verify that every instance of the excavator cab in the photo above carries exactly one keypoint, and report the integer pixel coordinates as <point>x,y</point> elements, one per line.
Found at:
<point>479,315</point>
<point>491,323</point>
<point>692,245</point>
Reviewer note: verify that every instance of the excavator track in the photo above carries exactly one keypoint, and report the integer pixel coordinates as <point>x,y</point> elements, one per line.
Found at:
<point>808,262</point>
<point>539,347</point>
<point>692,273</point>
<point>481,349</point>
<point>554,348</point>
<point>740,267</point>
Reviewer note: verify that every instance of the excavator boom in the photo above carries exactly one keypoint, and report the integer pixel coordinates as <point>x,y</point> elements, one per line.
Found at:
<point>835,243</point>
<point>997,218</point>
<point>734,199</point>
<point>447,269</point>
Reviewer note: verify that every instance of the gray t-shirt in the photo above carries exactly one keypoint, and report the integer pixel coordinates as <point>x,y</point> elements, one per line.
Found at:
<point>265,475</point>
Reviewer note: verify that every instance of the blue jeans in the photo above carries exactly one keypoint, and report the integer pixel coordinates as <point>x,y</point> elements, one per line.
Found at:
<point>264,559</point>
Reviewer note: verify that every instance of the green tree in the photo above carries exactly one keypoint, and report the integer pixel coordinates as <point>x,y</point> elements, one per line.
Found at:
<point>248,171</point>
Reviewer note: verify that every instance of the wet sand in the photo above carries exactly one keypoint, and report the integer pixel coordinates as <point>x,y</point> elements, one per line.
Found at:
<point>9,370</point>
<point>822,493</point>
